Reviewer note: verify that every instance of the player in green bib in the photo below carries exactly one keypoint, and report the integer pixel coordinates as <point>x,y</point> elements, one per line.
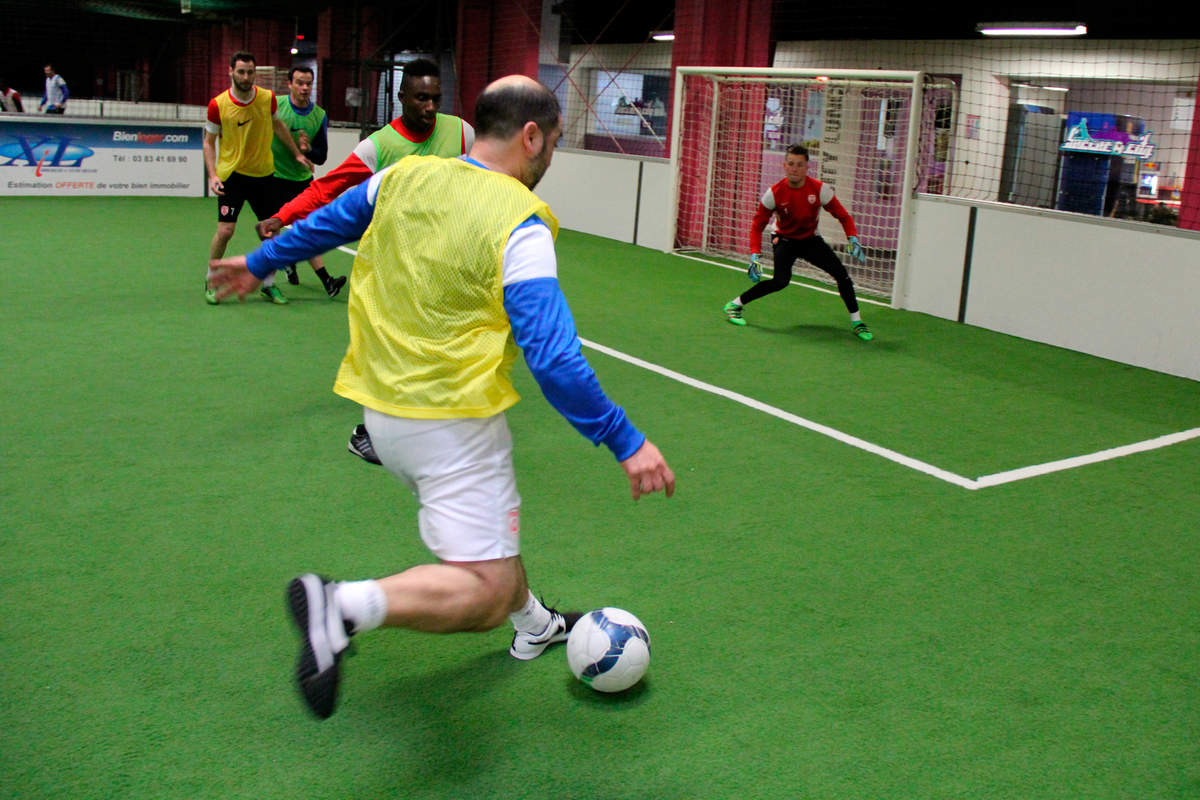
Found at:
<point>308,125</point>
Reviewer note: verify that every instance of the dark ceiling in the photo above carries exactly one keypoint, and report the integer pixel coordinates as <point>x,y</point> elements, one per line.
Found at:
<point>81,34</point>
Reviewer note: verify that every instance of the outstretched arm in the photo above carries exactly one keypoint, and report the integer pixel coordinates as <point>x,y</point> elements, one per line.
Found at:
<point>343,220</point>
<point>545,331</point>
<point>322,191</point>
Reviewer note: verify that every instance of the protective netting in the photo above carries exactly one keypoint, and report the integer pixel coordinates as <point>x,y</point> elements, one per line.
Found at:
<point>733,140</point>
<point>1090,126</point>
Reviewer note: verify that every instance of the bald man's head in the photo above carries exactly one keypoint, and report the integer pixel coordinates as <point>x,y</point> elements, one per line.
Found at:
<point>508,103</point>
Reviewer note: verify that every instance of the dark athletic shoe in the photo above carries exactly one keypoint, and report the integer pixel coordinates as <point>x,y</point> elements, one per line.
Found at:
<point>360,445</point>
<point>527,646</point>
<point>323,640</point>
<point>290,271</point>
<point>335,285</point>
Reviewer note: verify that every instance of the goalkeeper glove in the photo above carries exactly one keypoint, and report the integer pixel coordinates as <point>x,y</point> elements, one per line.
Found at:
<point>856,250</point>
<point>755,271</point>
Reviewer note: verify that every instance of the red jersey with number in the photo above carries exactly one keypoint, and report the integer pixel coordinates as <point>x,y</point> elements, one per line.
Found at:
<point>796,211</point>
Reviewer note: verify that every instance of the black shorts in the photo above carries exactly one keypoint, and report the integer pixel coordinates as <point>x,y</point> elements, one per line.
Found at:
<point>286,190</point>
<point>240,189</point>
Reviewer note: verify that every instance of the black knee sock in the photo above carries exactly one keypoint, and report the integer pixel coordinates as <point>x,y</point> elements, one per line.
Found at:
<point>323,275</point>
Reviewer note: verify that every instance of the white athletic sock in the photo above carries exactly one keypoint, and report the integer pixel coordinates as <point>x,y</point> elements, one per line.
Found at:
<point>856,317</point>
<point>737,301</point>
<point>363,604</point>
<point>533,618</point>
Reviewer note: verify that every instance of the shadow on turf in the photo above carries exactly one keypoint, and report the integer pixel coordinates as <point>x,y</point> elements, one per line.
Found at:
<point>820,333</point>
<point>616,701</point>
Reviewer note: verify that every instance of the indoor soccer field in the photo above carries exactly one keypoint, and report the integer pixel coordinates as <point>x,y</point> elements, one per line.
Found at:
<point>945,564</point>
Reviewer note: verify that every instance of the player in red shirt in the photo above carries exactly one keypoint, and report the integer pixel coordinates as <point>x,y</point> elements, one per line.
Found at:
<point>796,201</point>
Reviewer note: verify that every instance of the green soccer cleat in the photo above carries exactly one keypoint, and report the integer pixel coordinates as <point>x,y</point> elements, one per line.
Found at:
<point>272,295</point>
<point>862,331</point>
<point>733,313</point>
<point>210,296</point>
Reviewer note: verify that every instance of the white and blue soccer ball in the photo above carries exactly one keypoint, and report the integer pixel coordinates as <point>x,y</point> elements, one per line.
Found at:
<point>609,649</point>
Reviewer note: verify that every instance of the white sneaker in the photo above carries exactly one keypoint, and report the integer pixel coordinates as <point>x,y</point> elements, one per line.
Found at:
<point>527,646</point>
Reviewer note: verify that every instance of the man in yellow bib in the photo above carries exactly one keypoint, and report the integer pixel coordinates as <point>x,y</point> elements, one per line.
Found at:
<point>244,117</point>
<point>455,272</point>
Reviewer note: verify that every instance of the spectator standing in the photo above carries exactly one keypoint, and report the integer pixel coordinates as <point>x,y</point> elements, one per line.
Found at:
<point>54,98</point>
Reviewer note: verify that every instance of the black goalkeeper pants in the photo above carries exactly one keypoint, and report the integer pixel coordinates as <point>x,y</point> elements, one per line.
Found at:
<point>815,251</point>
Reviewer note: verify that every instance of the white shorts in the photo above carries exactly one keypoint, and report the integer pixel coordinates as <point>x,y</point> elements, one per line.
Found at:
<point>461,471</point>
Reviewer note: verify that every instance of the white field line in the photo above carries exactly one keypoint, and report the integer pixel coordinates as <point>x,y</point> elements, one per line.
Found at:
<point>824,430</point>
<point>982,482</point>
<point>1092,458</point>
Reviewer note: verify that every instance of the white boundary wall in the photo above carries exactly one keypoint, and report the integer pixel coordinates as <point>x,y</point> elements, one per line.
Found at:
<point>1125,291</point>
<point>619,197</point>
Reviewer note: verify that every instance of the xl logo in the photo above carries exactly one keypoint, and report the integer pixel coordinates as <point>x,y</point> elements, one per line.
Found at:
<point>48,151</point>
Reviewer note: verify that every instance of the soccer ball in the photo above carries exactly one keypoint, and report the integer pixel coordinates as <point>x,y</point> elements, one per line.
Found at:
<point>609,649</point>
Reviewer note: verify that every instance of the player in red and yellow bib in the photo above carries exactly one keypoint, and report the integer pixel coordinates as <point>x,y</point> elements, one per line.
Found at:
<point>796,203</point>
<point>244,118</point>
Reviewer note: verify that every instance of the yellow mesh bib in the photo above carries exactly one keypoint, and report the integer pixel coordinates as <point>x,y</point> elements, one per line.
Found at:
<point>429,337</point>
<point>246,135</point>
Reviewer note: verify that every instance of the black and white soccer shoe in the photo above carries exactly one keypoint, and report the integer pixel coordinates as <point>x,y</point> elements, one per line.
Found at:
<point>360,445</point>
<point>323,641</point>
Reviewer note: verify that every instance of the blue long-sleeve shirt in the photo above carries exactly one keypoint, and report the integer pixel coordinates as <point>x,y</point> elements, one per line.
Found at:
<point>537,310</point>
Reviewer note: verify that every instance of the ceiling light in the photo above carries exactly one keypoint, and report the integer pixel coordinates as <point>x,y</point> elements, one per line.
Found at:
<point>1040,87</point>
<point>662,36</point>
<point>1031,28</point>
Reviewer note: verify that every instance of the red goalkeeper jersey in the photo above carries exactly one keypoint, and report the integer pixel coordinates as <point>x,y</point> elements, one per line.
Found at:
<point>796,211</point>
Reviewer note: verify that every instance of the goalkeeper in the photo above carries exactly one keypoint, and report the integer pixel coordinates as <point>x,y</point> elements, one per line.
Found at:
<point>796,201</point>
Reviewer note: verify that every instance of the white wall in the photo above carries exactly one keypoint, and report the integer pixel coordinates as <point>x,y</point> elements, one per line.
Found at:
<point>598,193</point>
<point>1118,290</point>
<point>342,142</point>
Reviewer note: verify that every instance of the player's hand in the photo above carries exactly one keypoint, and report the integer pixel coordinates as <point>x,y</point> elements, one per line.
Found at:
<point>856,250</point>
<point>304,162</point>
<point>755,271</point>
<point>303,144</point>
<point>268,228</point>
<point>648,472</point>
<point>228,276</point>
<point>216,186</point>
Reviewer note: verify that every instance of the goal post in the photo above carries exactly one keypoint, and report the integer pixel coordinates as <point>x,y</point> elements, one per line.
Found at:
<point>865,130</point>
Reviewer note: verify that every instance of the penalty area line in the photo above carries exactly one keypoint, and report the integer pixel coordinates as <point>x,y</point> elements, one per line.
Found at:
<point>983,482</point>
<point>1111,453</point>
<point>816,427</point>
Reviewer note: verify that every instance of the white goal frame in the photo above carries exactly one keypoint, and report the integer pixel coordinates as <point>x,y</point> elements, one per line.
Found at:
<point>915,79</point>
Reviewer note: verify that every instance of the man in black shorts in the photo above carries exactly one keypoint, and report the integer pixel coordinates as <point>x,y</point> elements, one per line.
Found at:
<point>244,117</point>
<point>308,125</point>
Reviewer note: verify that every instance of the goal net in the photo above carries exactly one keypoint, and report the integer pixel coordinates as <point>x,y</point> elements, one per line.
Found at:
<point>863,133</point>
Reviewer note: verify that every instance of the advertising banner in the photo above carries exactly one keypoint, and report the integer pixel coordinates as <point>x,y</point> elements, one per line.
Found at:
<point>111,158</point>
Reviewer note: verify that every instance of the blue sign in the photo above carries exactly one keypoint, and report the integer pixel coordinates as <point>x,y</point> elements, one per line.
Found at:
<point>1080,140</point>
<point>100,158</point>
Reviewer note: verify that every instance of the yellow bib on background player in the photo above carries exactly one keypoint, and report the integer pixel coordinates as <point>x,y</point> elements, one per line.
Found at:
<point>429,336</point>
<point>246,135</point>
